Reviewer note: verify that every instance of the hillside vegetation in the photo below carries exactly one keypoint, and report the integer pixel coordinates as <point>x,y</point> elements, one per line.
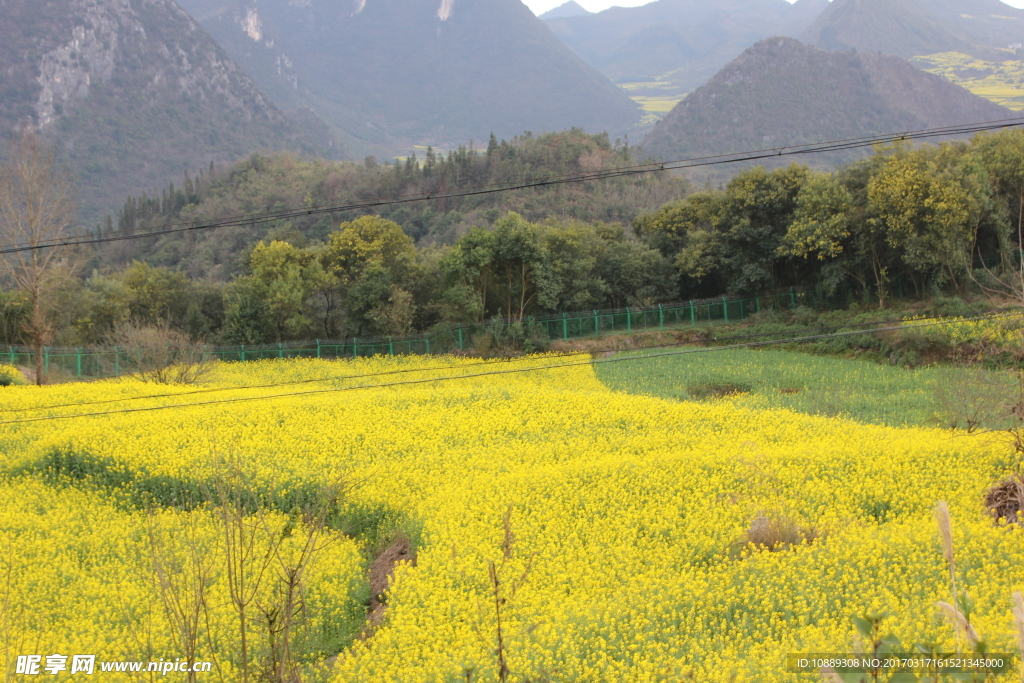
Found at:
<point>133,93</point>
<point>917,27</point>
<point>450,71</point>
<point>781,93</point>
<point>904,222</point>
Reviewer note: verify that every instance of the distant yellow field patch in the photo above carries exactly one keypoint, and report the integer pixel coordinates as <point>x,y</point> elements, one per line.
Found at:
<point>657,105</point>
<point>1000,82</point>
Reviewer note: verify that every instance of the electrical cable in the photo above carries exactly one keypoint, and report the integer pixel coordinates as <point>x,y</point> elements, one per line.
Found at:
<point>625,171</point>
<point>338,378</point>
<point>246,399</point>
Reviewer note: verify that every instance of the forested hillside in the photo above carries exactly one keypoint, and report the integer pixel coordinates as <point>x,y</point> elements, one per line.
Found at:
<point>781,92</point>
<point>271,183</point>
<point>928,219</point>
<point>132,92</point>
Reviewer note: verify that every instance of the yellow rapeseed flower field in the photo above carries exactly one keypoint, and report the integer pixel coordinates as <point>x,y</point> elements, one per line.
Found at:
<point>599,535</point>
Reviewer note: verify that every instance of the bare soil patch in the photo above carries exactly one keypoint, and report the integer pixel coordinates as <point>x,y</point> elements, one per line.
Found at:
<point>381,570</point>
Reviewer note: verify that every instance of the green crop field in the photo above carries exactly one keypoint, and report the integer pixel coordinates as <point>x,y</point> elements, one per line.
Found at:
<point>819,385</point>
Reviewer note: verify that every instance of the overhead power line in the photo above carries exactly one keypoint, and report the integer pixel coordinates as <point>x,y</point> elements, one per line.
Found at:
<point>477,190</point>
<point>554,366</point>
<point>402,371</point>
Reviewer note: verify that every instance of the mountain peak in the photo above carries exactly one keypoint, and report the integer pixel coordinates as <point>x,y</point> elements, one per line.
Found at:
<point>401,72</point>
<point>911,28</point>
<point>782,93</point>
<point>568,9</point>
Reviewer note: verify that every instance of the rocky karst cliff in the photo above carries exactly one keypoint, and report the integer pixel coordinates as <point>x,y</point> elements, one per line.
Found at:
<point>388,74</point>
<point>134,92</point>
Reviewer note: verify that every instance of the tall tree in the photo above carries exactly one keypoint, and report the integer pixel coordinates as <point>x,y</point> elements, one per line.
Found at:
<point>518,258</point>
<point>36,207</point>
<point>927,212</point>
<point>285,277</point>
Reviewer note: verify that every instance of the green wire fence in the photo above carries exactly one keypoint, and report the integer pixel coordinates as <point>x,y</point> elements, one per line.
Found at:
<point>112,361</point>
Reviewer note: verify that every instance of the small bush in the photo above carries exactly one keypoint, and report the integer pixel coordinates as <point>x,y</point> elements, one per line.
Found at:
<point>700,392</point>
<point>774,533</point>
<point>10,375</point>
<point>1005,500</point>
<point>160,354</point>
<point>512,339</point>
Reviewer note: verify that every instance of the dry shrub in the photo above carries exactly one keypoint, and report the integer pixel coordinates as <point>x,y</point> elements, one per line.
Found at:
<point>159,354</point>
<point>1005,500</point>
<point>775,533</point>
<point>971,399</point>
<point>704,391</point>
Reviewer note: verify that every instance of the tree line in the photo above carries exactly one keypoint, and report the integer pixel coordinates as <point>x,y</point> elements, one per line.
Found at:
<point>928,219</point>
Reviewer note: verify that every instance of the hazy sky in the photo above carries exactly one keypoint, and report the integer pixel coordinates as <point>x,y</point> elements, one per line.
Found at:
<point>541,6</point>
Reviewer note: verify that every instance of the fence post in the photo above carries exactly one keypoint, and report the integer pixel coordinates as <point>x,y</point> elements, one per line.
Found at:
<point>280,350</point>
<point>78,362</point>
<point>597,326</point>
<point>318,348</point>
<point>743,310</point>
<point>117,362</point>
<point>11,349</point>
<point>661,317</point>
<point>243,353</point>
<point>693,316</point>
<point>757,302</point>
<point>391,345</point>
<point>460,337</point>
<point>629,321</point>
<point>46,359</point>
<point>427,336</point>
<point>792,298</point>
<point>355,347</point>
<point>565,327</point>
<point>725,309</point>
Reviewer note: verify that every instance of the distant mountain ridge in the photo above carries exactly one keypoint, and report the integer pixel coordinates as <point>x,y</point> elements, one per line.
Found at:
<point>567,9</point>
<point>781,92</point>
<point>134,93</point>
<point>910,28</point>
<point>667,48</point>
<point>681,43</point>
<point>392,73</point>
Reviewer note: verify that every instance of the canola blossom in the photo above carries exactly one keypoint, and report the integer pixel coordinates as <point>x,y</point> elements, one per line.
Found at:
<point>602,529</point>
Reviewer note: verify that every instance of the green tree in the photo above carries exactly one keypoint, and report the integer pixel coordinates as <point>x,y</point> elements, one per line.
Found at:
<point>157,294</point>
<point>248,319</point>
<point>570,279</point>
<point>635,274</point>
<point>285,277</point>
<point>1001,155</point>
<point>927,212</point>
<point>759,207</point>
<point>820,228</point>
<point>467,269</point>
<point>518,258</point>
<point>106,303</point>
<point>374,263</point>
<point>366,240</point>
